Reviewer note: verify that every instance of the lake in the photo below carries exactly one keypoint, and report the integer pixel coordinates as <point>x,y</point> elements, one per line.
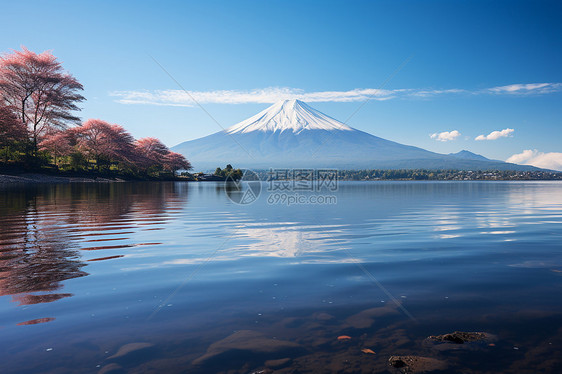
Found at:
<point>177,277</point>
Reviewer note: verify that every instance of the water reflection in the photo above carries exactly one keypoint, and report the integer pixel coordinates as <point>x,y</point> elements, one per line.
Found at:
<point>287,239</point>
<point>284,272</point>
<point>44,229</point>
<point>49,234</point>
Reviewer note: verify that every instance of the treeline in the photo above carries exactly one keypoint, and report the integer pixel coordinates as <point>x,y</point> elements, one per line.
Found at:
<point>38,128</point>
<point>421,174</point>
<point>424,174</point>
<point>229,172</point>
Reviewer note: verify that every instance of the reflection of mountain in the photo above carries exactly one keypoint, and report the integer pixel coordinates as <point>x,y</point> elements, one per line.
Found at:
<point>289,240</point>
<point>42,230</point>
<point>292,240</point>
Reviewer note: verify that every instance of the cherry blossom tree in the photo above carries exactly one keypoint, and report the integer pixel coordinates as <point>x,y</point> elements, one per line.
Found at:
<point>41,93</point>
<point>11,128</point>
<point>150,153</point>
<point>152,149</point>
<point>11,131</point>
<point>175,161</point>
<point>38,99</point>
<point>57,144</point>
<point>153,153</point>
<point>100,140</point>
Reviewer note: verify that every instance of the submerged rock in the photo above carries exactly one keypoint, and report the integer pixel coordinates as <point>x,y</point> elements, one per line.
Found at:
<point>111,369</point>
<point>277,364</point>
<point>460,337</point>
<point>416,364</point>
<point>460,340</point>
<point>366,318</point>
<point>249,341</point>
<point>129,348</point>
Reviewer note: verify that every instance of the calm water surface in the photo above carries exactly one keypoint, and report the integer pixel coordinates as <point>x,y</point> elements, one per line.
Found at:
<point>207,285</point>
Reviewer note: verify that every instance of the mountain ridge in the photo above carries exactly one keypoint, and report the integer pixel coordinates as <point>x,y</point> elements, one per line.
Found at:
<point>467,155</point>
<point>291,134</point>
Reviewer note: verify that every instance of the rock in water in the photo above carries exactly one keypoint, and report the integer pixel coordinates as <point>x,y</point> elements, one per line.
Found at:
<point>248,341</point>
<point>416,364</point>
<point>277,364</point>
<point>460,337</point>
<point>366,318</point>
<point>129,348</point>
<point>111,369</point>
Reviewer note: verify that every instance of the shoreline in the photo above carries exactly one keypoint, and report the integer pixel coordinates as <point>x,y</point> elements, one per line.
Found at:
<point>40,178</point>
<point>36,178</point>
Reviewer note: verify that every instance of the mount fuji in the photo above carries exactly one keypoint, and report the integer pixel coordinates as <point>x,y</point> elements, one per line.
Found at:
<point>291,134</point>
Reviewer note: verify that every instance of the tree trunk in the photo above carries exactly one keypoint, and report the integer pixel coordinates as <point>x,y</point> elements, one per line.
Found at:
<point>35,139</point>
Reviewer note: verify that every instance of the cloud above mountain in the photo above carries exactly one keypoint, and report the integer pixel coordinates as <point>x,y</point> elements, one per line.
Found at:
<point>446,136</point>
<point>178,97</point>
<point>494,135</point>
<point>522,89</point>
<point>551,160</point>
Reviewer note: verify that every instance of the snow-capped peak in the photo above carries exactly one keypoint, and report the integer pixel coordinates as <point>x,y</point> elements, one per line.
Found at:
<point>288,115</point>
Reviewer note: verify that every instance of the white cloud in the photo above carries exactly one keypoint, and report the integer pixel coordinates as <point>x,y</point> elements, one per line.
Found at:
<point>445,136</point>
<point>259,96</point>
<point>525,89</point>
<point>551,160</point>
<point>496,135</point>
<point>520,158</point>
<point>427,93</point>
<point>270,95</point>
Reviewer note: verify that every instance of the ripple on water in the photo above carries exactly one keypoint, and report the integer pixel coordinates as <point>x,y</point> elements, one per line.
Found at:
<point>212,286</point>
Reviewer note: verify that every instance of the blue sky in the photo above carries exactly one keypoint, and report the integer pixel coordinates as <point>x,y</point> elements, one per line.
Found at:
<point>252,51</point>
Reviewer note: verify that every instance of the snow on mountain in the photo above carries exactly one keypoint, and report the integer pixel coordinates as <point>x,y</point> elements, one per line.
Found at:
<point>288,115</point>
<point>291,134</point>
